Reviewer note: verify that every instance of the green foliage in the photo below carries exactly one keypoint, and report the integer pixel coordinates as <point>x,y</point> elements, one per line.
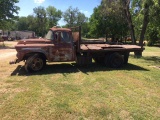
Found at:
<point>22,23</point>
<point>108,20</point>
<point>85,29</point>
<point>8,9</point>
<point>73,17</point>
<point>41,20</point>
<point>153,33</point>
<point>153,26</point>
<point>31,22</point>
<point>53,16</point>
<point>96,24</point>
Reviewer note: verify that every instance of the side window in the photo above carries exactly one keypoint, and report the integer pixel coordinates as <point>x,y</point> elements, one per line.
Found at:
<point>65,37</point>
<point>49,35</point>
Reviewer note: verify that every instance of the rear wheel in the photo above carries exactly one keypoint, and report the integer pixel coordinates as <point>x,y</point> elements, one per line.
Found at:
<point>115,60</point>
<point>35,63</point>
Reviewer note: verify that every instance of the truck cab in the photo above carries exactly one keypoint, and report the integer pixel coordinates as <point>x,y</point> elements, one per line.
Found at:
<point>61,48</point>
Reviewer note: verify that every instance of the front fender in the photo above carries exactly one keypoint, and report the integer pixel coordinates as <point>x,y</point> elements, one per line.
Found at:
<point>24,53</point>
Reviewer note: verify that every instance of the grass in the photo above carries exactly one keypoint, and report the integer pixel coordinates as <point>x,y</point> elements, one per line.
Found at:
<point>2,44</point>
<point>65,91</point>
<point>6,44</point>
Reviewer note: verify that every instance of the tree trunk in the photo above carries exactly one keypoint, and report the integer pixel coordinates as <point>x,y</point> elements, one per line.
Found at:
<point>126,4</point>
<point>145,23</point>
<point>113,38</point>
<point>106,37</point>
<point>132,33</point>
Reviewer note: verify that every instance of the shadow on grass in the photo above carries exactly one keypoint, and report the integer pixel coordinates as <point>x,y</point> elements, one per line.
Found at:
<point>73,68</point>
<point>155,59</point>
<point>156,45</point>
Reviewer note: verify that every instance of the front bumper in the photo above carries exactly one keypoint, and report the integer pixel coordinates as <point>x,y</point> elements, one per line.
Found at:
<point>13,62</point>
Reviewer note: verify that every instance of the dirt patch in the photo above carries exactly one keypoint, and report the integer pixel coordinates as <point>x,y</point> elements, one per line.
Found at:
<point>157,67</point>
<point>125,115</point>
<point>6,53</point>
<point>8,50</point>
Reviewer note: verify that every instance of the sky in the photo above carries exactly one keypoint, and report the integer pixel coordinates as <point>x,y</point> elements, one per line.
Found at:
<point>85,6</point>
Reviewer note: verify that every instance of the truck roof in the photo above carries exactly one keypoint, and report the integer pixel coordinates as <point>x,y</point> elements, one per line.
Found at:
<point>60,29</point>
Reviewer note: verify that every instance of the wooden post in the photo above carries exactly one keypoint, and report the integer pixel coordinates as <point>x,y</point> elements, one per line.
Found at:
<point>138,54</point>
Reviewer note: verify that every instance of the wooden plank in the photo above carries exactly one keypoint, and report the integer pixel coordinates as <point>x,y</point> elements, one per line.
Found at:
<point>94,47</point>
<point>84,47</point>
<point>107,47</point>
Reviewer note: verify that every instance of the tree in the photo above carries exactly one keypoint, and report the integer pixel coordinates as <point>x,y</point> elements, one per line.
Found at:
<point>146,15</point>
<point>153,30</point>
<point>81,18</point>
<point>25,23</point>
<point>41,20</point>
<point>22,23</point>
<point>8,11</point>
<point>31,22</point>
<point>126,7</point>
<point>53,16</point>
<point>97,24</point>
<point>74,17</point>
<point>108,19</point>
<point>147,5</point>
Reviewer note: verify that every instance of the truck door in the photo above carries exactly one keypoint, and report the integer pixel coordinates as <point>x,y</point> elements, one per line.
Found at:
<point>64,49</point>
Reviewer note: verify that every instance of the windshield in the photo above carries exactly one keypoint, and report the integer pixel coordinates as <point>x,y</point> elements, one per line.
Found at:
<point>49,35</point>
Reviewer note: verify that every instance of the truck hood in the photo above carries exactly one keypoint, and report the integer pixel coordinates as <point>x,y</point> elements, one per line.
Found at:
<point>33,44</point>
<point>34,41</point>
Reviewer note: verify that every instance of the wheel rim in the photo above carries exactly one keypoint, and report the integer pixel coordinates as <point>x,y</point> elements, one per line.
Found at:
<point>37,64</point>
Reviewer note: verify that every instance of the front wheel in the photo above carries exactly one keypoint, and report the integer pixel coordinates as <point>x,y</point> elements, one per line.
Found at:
<point>35,63</point>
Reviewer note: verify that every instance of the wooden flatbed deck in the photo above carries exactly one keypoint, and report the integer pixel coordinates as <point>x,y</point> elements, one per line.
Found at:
<point>108,47</point>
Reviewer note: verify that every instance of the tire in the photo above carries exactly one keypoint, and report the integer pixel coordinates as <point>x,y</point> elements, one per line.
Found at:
<point>35,63</point>
<point>115,60</point>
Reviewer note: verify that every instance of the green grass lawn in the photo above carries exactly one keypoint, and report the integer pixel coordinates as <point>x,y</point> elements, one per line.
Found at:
<point>64,91</point>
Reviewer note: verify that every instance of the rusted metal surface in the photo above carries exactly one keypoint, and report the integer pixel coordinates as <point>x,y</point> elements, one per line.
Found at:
<point>34,41</point>
<point>107,47</point>
<point>60,29</point>
<point>54,50</point>
<point>84,47</point>
<point>93,41</point>
<point>75,36</point>
<point>63,52</point>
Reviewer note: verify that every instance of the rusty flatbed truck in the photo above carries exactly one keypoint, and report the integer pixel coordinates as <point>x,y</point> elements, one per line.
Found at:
<point>65,45</point>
